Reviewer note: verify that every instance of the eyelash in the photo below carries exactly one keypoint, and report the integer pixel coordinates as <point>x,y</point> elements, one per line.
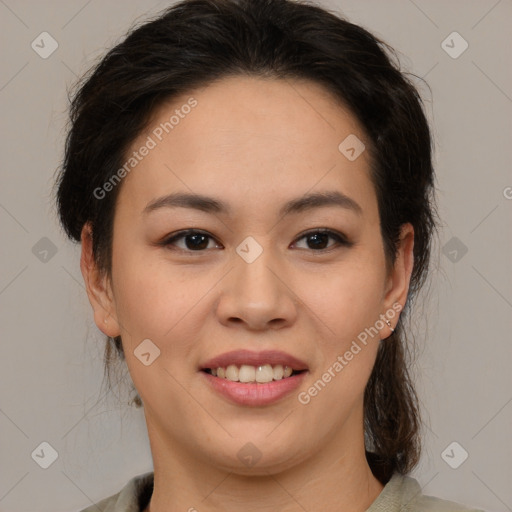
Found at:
<point>340,239</point>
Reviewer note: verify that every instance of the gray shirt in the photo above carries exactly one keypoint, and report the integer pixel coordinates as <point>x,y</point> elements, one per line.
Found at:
<point>400,494</point>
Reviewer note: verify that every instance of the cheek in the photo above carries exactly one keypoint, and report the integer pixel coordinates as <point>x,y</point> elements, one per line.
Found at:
<point>347,299</point>
<point>348,304</point>
<point>153,299</point>
<point>156,302</point>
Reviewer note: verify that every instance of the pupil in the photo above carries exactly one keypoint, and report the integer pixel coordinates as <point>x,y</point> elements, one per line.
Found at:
<point>197,237</point>
<point>323,240</point>
<point>316,240</point>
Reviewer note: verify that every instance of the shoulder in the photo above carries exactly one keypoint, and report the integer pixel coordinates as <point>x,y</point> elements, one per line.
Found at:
<point>133,497</point>
<point>432,504</point>
<point>403,493</point>
<point>105,505</point>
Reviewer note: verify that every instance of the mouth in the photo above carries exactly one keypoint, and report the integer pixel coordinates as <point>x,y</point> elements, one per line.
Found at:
<point>254,378</point>
<point>261,374</point>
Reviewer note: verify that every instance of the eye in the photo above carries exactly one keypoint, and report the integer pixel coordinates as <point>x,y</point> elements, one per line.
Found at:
<point>318,239</point>
<point>197,241</point>
<point>194,240</point>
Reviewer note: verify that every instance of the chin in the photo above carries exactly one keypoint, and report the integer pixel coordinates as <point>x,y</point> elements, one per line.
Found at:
<point>260,457</point>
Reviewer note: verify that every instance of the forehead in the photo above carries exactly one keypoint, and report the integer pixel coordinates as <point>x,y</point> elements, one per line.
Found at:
<point>251,138</point>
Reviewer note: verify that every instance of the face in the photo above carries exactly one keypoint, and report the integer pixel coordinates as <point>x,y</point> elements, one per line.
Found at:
<point>264,268</point>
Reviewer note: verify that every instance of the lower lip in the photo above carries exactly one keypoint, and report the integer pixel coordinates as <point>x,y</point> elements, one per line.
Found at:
<point>254,394</point>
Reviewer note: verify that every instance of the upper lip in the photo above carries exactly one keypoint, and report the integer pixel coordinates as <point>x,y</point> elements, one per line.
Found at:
<point>240,357</point>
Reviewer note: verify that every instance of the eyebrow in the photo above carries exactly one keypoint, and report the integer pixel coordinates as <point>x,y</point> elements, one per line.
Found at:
<point>212,205</point>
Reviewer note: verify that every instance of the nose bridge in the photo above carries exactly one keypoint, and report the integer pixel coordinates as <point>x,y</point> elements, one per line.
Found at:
<point>255,292</point>
<point>254,277</point>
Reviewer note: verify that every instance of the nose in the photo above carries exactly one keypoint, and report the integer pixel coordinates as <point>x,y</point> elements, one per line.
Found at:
<point>257,295</point>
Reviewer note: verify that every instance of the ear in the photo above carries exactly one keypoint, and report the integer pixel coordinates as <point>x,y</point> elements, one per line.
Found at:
<point>397,283</point>
<point>98,287</point>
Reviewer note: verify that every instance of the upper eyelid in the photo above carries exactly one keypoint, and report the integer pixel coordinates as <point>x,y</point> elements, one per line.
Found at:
<point>183,233</point>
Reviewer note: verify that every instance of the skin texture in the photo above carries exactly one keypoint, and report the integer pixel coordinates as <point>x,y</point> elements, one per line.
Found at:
<point>255,144</point>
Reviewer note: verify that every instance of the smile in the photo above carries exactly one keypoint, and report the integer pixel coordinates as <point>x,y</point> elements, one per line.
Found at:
<point>247,373</point>
<point>249,378</point>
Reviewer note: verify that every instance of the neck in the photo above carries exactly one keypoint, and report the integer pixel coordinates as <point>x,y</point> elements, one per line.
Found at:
<point>337,477</point>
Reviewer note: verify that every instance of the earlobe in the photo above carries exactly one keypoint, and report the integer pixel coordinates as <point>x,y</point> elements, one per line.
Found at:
<point>98,287</point>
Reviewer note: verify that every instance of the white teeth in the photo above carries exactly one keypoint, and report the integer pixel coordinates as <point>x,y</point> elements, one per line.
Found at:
<point>264,373</point>
<point>248,373</point>
<point>278,372</point>
<point>232,372</point>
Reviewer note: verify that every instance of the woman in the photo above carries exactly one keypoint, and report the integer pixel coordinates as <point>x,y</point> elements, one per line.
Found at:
<point>252,186</point>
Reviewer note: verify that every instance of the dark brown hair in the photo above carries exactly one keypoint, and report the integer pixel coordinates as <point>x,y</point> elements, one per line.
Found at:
<point>196,42</point>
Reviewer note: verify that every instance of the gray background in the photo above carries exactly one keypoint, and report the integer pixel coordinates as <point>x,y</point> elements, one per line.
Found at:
<point>51,364</point>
